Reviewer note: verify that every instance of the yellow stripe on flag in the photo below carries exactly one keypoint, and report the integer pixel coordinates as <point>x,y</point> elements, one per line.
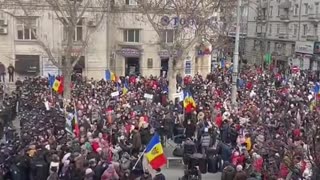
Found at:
<point>156,151</point>
<point>56,85</point>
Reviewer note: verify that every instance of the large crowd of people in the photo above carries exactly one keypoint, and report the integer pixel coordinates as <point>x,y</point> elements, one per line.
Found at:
<point>271,134</point>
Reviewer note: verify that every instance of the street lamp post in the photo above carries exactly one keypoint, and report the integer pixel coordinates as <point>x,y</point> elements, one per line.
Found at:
<point>236,58</point>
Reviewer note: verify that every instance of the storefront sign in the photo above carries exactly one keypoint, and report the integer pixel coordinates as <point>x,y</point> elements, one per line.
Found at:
<point>304,47</point>
<point>165,54</point>
<point>129,52</point>
<point>27,64</point>
<point>188,21</point>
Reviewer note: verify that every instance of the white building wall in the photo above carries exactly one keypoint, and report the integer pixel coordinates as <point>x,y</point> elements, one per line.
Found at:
<point>101,53</point>
<point>275,12</point>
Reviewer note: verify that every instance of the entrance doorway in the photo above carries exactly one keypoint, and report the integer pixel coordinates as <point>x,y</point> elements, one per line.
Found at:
<point>164,67</point>
<point>132,66</point>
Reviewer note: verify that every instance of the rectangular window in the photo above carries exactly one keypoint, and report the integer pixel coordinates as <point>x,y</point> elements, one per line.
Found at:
<point>131,2</point>
<point>296,9</point>
<point>131,35</point>
<point>188,67</point>
<point>315,30</point>
<point>150,63</point>
<point>78,32</point>
<point>306,8</point>
<point>270,29</point>
<point>167,36</point>
<point>305,29</point>
<point>278,28</point>
<point>26,27</point>
<point>295,29</point>
<point>271,9</point>
<point>317,8</point>
<point>268,46</point>
<point>279,11</point>
<point>283,48</point>
<point>293,46</point>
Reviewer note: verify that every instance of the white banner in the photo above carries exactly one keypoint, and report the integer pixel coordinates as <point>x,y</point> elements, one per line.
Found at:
<point>115,94</point>
<point>178,95</point>
<point>148,96</point>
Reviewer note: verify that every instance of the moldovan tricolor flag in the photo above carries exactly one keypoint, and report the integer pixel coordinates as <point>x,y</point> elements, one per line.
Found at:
<point>188,103</point>
<point>76,124</point>
<point>56,85</point>
<point>154,153</point>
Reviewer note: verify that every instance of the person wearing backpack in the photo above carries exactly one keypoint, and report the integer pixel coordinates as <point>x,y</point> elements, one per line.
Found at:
<point>159,175</point>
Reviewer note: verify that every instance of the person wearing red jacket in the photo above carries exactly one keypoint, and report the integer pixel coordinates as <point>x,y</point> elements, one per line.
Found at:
<point>219,120</point>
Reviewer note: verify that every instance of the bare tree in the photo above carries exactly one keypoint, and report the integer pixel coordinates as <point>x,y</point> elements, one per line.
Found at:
<point>69,13</point>
<point>194,22</point>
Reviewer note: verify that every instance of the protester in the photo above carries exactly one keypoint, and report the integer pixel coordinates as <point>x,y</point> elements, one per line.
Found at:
<point>11,72</point>
<point>2,72</point>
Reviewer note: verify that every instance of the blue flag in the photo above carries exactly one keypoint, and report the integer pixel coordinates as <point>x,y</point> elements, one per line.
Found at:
<point>222,63</point>
<point>51,78</point>
<point>316,89</point>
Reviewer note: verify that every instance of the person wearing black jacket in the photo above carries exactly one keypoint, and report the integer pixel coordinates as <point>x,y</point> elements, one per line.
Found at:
<point>11,73</point>
<point>159,175</point>
<point>99,169</point>
<point>39,168</point>
<point>145,135</point>
<point>190,129</point>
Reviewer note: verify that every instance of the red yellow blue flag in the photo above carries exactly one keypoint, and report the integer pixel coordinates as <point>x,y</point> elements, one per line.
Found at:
<point>154,153</point>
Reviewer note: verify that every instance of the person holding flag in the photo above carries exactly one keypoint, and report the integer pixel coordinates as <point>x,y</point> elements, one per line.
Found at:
<point>125,88</point>
<point>188,102</point>
<point>155,156</point>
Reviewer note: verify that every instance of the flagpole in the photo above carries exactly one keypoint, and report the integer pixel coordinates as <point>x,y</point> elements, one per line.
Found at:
<point>51,95</point>
<point>134,167</point>
<point>184,112</point>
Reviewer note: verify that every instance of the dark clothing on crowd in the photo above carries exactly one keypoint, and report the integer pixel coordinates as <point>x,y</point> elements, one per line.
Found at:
<point>2,72</point>
<point>11,73</point>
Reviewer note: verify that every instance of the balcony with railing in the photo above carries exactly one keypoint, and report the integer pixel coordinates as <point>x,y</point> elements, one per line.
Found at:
<point>283,35</point>
<point>263,5</point>
<point>285,5</point>
<point>261,18</point>
<point>314,17</point>
<point>284,16</point>
<point>312,37</point>
<point>261,34</point>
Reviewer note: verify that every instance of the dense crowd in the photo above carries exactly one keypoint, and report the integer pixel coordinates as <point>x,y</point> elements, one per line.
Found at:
<point>271,134</point>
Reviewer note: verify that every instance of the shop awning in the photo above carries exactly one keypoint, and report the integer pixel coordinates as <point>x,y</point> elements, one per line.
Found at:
<point>165,54</point>
<point>129,52</point>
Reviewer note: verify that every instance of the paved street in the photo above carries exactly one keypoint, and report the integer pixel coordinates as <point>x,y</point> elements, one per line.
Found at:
<point>176,169</point>
<point>175,173</point>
